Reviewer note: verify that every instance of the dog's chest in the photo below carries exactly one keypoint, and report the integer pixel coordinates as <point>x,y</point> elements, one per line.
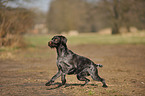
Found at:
<point>62,60</point>
<point>65,61</point>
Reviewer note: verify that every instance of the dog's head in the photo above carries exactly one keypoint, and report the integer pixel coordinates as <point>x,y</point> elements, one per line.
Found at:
<point>56,41</point>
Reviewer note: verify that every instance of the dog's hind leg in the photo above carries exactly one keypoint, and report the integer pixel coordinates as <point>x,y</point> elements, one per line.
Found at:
<point>98,78</point>
<point>83,78</point>
<point>94,74</point>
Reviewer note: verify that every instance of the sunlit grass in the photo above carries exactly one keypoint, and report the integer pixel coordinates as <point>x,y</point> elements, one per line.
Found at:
<point>106,39</point>
<point>87,38</point>
<point>37,40</point>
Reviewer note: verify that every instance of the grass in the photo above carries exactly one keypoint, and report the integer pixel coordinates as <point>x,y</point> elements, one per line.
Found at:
<point>106,39</point>
<point>8,49</point>
<point>37,40</point>
<point>91,92</point>
<point>87,38</point>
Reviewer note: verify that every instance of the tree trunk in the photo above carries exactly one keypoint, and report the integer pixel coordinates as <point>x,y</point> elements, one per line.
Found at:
<point>115,25</point>
<point>115,29</point>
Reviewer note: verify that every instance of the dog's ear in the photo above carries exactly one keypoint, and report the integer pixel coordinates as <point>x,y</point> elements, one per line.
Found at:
<point>63,39</point>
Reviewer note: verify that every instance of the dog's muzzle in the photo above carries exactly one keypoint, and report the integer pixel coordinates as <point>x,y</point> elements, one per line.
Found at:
<point>50,43</point>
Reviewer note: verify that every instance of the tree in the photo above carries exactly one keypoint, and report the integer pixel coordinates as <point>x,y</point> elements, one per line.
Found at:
<point>65,15</point>
<point>110,10</point>
<point>115,19</point>
<point>138,14</point>
<point>93,15</point>
<point>14,22</point>
<point>122,13</point>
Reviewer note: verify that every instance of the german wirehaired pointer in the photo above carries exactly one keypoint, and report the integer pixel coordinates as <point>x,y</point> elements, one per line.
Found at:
<point>71,63</point>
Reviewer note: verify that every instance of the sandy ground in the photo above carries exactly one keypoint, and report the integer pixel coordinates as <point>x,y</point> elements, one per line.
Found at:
<point>26,72</point>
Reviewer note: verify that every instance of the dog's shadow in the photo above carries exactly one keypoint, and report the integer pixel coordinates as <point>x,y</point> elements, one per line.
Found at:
<point>58,85</point>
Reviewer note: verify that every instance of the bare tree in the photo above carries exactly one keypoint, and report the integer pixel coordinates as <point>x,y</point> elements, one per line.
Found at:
<point>65,15</point>
<point>13,23</point>
<point>93,15</point>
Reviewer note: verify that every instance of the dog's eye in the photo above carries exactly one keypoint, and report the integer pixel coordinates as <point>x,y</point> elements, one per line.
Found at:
<point>56,40</point>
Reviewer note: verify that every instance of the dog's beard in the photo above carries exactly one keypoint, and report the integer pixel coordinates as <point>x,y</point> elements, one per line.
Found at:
<point>52,45</point>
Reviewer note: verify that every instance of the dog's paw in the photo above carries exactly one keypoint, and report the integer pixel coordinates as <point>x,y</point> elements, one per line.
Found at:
<point>105,86</point>
<point>48,83</point>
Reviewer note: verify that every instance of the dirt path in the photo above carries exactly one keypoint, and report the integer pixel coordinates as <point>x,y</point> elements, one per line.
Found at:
<point>28,70</point>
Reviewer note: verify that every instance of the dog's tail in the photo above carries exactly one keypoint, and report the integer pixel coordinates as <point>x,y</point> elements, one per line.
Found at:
<point>98,65</point>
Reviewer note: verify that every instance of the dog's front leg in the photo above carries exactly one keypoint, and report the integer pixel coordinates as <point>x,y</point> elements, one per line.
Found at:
<point>58,74</point>
<point>64,72</point>
<point>63,78</point>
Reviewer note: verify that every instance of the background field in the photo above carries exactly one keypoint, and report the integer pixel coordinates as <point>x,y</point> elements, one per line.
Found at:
<point>91,38</point>
<point>25,71</point>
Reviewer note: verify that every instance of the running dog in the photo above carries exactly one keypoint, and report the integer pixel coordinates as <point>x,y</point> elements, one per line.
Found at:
<point>71,63</point>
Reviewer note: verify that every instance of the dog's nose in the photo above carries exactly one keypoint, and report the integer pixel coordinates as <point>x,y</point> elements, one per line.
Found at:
<point>49,43</point>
